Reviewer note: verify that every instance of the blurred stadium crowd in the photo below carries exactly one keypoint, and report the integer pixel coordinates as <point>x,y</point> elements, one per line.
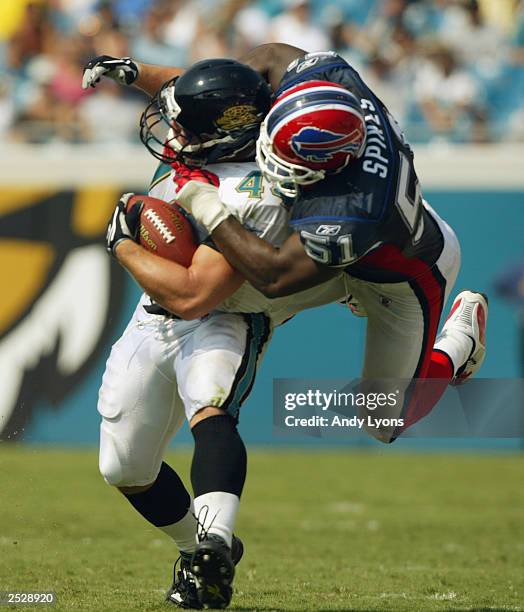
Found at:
<point>450,70</point>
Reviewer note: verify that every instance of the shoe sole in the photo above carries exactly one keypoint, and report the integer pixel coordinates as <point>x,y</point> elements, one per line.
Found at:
<point>214,572</point>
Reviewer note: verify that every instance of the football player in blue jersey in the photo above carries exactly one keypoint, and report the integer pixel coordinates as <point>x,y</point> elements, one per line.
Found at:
<point>332,147</point>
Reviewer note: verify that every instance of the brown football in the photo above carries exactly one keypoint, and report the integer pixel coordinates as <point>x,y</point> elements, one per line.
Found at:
<point>165,229</point>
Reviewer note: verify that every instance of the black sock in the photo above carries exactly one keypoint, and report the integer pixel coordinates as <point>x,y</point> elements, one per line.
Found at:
<point>219,459</point>
<point>166,502</point>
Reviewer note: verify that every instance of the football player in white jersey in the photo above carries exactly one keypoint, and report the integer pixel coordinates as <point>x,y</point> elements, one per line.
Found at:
<point>190,352</point>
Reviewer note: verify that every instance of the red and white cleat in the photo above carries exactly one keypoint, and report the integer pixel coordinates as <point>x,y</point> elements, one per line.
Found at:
<point>468,315</point>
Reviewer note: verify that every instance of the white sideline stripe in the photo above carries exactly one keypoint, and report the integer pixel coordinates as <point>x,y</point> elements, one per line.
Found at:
<point>443,167</point>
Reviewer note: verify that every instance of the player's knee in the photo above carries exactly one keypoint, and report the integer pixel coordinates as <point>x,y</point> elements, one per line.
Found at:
<point>124,478</point>
<point>122,471</point>
<point>112,472</point>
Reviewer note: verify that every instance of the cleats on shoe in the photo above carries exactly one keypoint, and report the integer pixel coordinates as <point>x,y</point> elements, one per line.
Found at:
<point>183,592</point>
<point>469,315</point>
<point>213,568</point>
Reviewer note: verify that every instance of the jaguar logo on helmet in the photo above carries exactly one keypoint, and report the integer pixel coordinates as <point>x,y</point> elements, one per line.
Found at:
<point>238,116</point>
<point>319,145</point>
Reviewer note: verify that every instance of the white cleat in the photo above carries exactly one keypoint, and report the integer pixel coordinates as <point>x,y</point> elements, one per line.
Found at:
<point>468,315</point>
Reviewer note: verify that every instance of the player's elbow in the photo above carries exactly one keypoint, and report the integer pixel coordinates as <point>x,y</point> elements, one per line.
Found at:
<point>269,291</point>
<point>273,290</point>
<point>191,314</point>
<point>188,310</point>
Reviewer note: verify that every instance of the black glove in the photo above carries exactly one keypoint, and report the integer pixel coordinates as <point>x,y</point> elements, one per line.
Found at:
<point>123,225</point>
<point>123,70</point>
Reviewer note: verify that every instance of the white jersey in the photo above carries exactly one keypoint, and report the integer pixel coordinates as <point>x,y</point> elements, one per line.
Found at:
<point>250,199</point>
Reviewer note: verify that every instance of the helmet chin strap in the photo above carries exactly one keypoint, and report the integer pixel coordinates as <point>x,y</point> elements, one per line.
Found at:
<point>204,144</point>
<point>197,156</point>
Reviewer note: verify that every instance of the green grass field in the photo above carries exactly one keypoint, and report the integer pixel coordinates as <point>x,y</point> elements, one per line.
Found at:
<point>323,531</point>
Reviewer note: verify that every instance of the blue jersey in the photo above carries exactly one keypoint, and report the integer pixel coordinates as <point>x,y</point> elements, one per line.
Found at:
<point>369,218</point>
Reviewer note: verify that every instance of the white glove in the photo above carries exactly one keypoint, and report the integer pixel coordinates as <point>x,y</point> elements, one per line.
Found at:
<point>123,70</point>
<point>204,203</point>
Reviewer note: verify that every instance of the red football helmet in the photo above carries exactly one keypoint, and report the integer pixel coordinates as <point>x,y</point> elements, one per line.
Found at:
<point>314,128</point>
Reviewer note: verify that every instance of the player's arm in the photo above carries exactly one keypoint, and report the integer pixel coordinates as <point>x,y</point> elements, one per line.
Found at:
<point>125,71</point>
<point>272,60</point>
<point>151,78</point>
<point>190,292</point>
<point>274,272</point>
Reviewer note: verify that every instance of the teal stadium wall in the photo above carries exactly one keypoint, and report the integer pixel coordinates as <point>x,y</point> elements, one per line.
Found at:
<point>328,342</point>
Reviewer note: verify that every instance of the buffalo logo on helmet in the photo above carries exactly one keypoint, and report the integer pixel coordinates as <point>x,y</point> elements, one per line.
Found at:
<point>318,145</point>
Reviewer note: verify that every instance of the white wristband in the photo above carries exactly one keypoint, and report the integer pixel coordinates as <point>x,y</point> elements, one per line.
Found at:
<point>204,203</point>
